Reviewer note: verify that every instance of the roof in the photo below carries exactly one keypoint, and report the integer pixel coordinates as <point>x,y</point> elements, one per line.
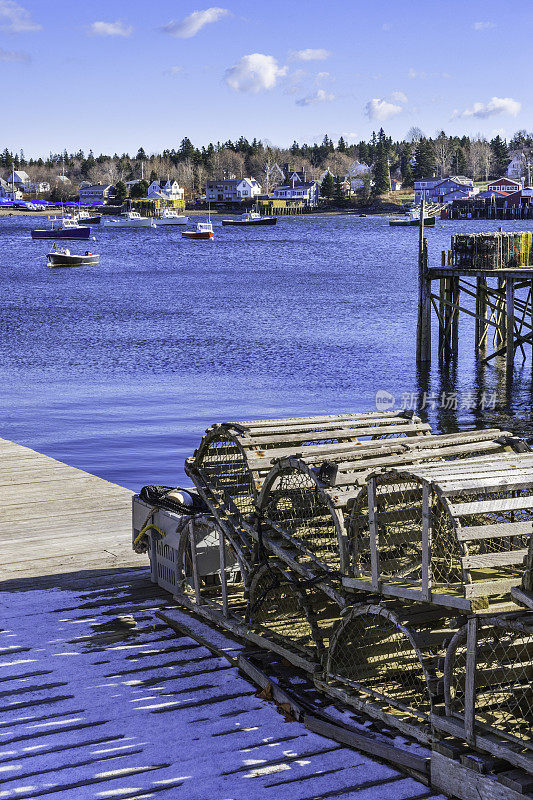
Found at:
<point>300,185</point>
<point>504,178</point>
<point>97,186</point>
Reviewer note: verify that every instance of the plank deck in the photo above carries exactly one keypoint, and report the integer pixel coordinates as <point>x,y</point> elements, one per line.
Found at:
<point>92,709</point>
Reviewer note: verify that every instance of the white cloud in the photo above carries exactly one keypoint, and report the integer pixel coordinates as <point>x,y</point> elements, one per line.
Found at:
<point>399,97</point>
<point>15,19</point>
<point>497,105</point>
<point>193,23</point>
<point>320,96</point>
<point>413,73</point>
<point>309,54</point>
<point>110,29</point>
<point>381,109</point>
<point>14,56</point>
<point>174,70</point>
<point>322,76</point>
<point>483,26</point>
<point>254,73</point>
<point>294,81</point>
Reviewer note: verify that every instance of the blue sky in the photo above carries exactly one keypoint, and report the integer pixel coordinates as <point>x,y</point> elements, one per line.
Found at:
<point>114,75</point>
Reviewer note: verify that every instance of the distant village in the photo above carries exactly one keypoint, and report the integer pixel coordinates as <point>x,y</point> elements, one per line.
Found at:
<point>311,177</point>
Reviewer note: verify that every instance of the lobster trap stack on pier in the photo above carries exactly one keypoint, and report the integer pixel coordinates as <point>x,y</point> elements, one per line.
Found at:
<point>393,565</point>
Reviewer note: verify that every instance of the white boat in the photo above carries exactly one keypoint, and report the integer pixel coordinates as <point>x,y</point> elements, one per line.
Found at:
<point>203,230</point>
<point>171,217</point>
<point>131,219</point>
<point>250,218</point>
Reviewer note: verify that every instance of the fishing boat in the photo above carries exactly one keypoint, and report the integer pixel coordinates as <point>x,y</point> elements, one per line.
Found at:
<point>131,219</point>
<point>67,229</point>
<point>412,219</point>
<point>250,218</point>
<point>64,258</point>
<point>88,219</point>
<point>170,216</point>
<point>203,230</point>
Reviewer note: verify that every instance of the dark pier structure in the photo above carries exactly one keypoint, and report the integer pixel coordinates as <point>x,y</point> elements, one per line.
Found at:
<point>488,277</point>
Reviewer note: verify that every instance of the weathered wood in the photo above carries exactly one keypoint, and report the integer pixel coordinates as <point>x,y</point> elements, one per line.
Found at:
<point>470,680</point>
<point>426,543</point>
<point>457,780</point>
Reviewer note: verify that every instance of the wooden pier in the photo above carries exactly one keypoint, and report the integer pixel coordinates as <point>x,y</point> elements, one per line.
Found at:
<point>101,699</point>
<point>499,300</point>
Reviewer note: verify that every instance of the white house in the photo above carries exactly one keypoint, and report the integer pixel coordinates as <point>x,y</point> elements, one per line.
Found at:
<point>236,190</point>
<point>4,188</point>
<point>62,179</point>
<point>516,168</point>
<point>96,192</point>
<point>21,180</point>
<point>356,175</point>
<point>40,187</point>
<point>297,190</point>
<point>504,185</point>
<point>395,184</point>
<point>165,190</point>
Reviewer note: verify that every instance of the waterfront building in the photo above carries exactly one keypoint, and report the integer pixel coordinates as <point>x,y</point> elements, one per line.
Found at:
<point>232,190</point>
<point>356,175</point>
<point>516,169</point>
<point>163,190</point>
<point>99,192</point>
<point>442,190</point>
<point>504,185</point>
<point>306,192</point>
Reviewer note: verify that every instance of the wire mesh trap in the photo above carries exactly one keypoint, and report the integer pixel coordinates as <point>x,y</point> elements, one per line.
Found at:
<point>297,614</point>
<point>388,659</point>
<point>454,533</point>
<point>489,681</point>
<point>232,460</point>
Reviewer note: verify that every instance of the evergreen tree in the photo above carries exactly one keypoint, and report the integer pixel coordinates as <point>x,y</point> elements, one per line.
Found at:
<point>338,194</point>
<point>139,190</point>
<point>501,157</point>
<point>407,171</point>
<point>425,160</point>
<point>121,192</point>
<point>327,186</point>
<point>141,155</point>
<point>381,170</point>
<point>341,145</point>
<point>153,176</point>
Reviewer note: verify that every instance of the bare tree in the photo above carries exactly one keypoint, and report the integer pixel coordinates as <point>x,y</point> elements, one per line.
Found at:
<point>414,135</point>
<point>480,158</point>
<point>443,149</point>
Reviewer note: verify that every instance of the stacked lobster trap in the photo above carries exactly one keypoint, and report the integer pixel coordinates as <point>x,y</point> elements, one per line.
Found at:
<point>394,565</point>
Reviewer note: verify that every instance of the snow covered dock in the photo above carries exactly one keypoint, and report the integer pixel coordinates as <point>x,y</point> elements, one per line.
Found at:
<point>93,707</point>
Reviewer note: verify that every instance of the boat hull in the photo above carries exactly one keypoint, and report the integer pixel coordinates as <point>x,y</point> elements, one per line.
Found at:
<point>91,220</point>
<point>58,233</point>
<point>170,221</point>
<point>197,234</point>
<point>62,260</point>
<point>144,223</point>
<point>251,222</point>
<point>411,223</point>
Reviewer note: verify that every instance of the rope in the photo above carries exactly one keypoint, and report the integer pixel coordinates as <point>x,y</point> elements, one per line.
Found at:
<point>147,528</point>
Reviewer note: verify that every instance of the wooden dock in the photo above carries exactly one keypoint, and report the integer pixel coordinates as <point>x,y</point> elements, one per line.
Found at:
<point>102,700</point>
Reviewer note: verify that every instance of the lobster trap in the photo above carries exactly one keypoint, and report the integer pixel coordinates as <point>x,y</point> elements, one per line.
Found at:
<point>488,687</point>
<point>454,534</point>
<point>304,508</point>
<point>230,465</point>
<point>388,662</point>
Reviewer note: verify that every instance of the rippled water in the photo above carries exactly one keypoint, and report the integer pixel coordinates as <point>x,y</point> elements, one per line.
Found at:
<point>118,369</point>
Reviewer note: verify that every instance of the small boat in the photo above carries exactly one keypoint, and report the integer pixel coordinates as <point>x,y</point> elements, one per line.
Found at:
<point>250,218</point>
<point>68,229</point>
<point>131,219</point>
<point>170,216</point>
<point>64,258</point>
<point>203,230</point>
<point>88,219</point>
<point>412,219</point>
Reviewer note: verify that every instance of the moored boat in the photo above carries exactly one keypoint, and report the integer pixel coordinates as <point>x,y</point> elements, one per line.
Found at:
<point>131,219</point>
<point>64,258</point>
<point>203,230</point>
<point>250,218</point>
<point>88,219</point>
<point>68,229</point>
<point>170,216</point>
<point>412,219</point>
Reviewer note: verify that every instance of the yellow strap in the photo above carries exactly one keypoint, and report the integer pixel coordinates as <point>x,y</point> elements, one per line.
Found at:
<point>147,528</point>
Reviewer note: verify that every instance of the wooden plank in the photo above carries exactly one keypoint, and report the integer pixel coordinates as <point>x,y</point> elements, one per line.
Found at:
<point>372,522</point>
<point>348,423</point>
<point>475,533</point>
<point>470,680</point>
<point>491,587</point>
<point>426,543</point>
<point>499,559</point>
<point>455,779</point>
<point>384,430</point>
<point>490,506</point>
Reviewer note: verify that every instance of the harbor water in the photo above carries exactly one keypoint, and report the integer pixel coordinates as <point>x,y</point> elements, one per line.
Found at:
<point>118,369</point>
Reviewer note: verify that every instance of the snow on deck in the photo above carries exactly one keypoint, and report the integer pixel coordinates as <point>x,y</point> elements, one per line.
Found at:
<point>91,708</point>
<point>94,710</point>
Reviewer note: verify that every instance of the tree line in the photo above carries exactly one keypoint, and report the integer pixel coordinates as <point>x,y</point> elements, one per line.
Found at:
<point>415,156</point>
